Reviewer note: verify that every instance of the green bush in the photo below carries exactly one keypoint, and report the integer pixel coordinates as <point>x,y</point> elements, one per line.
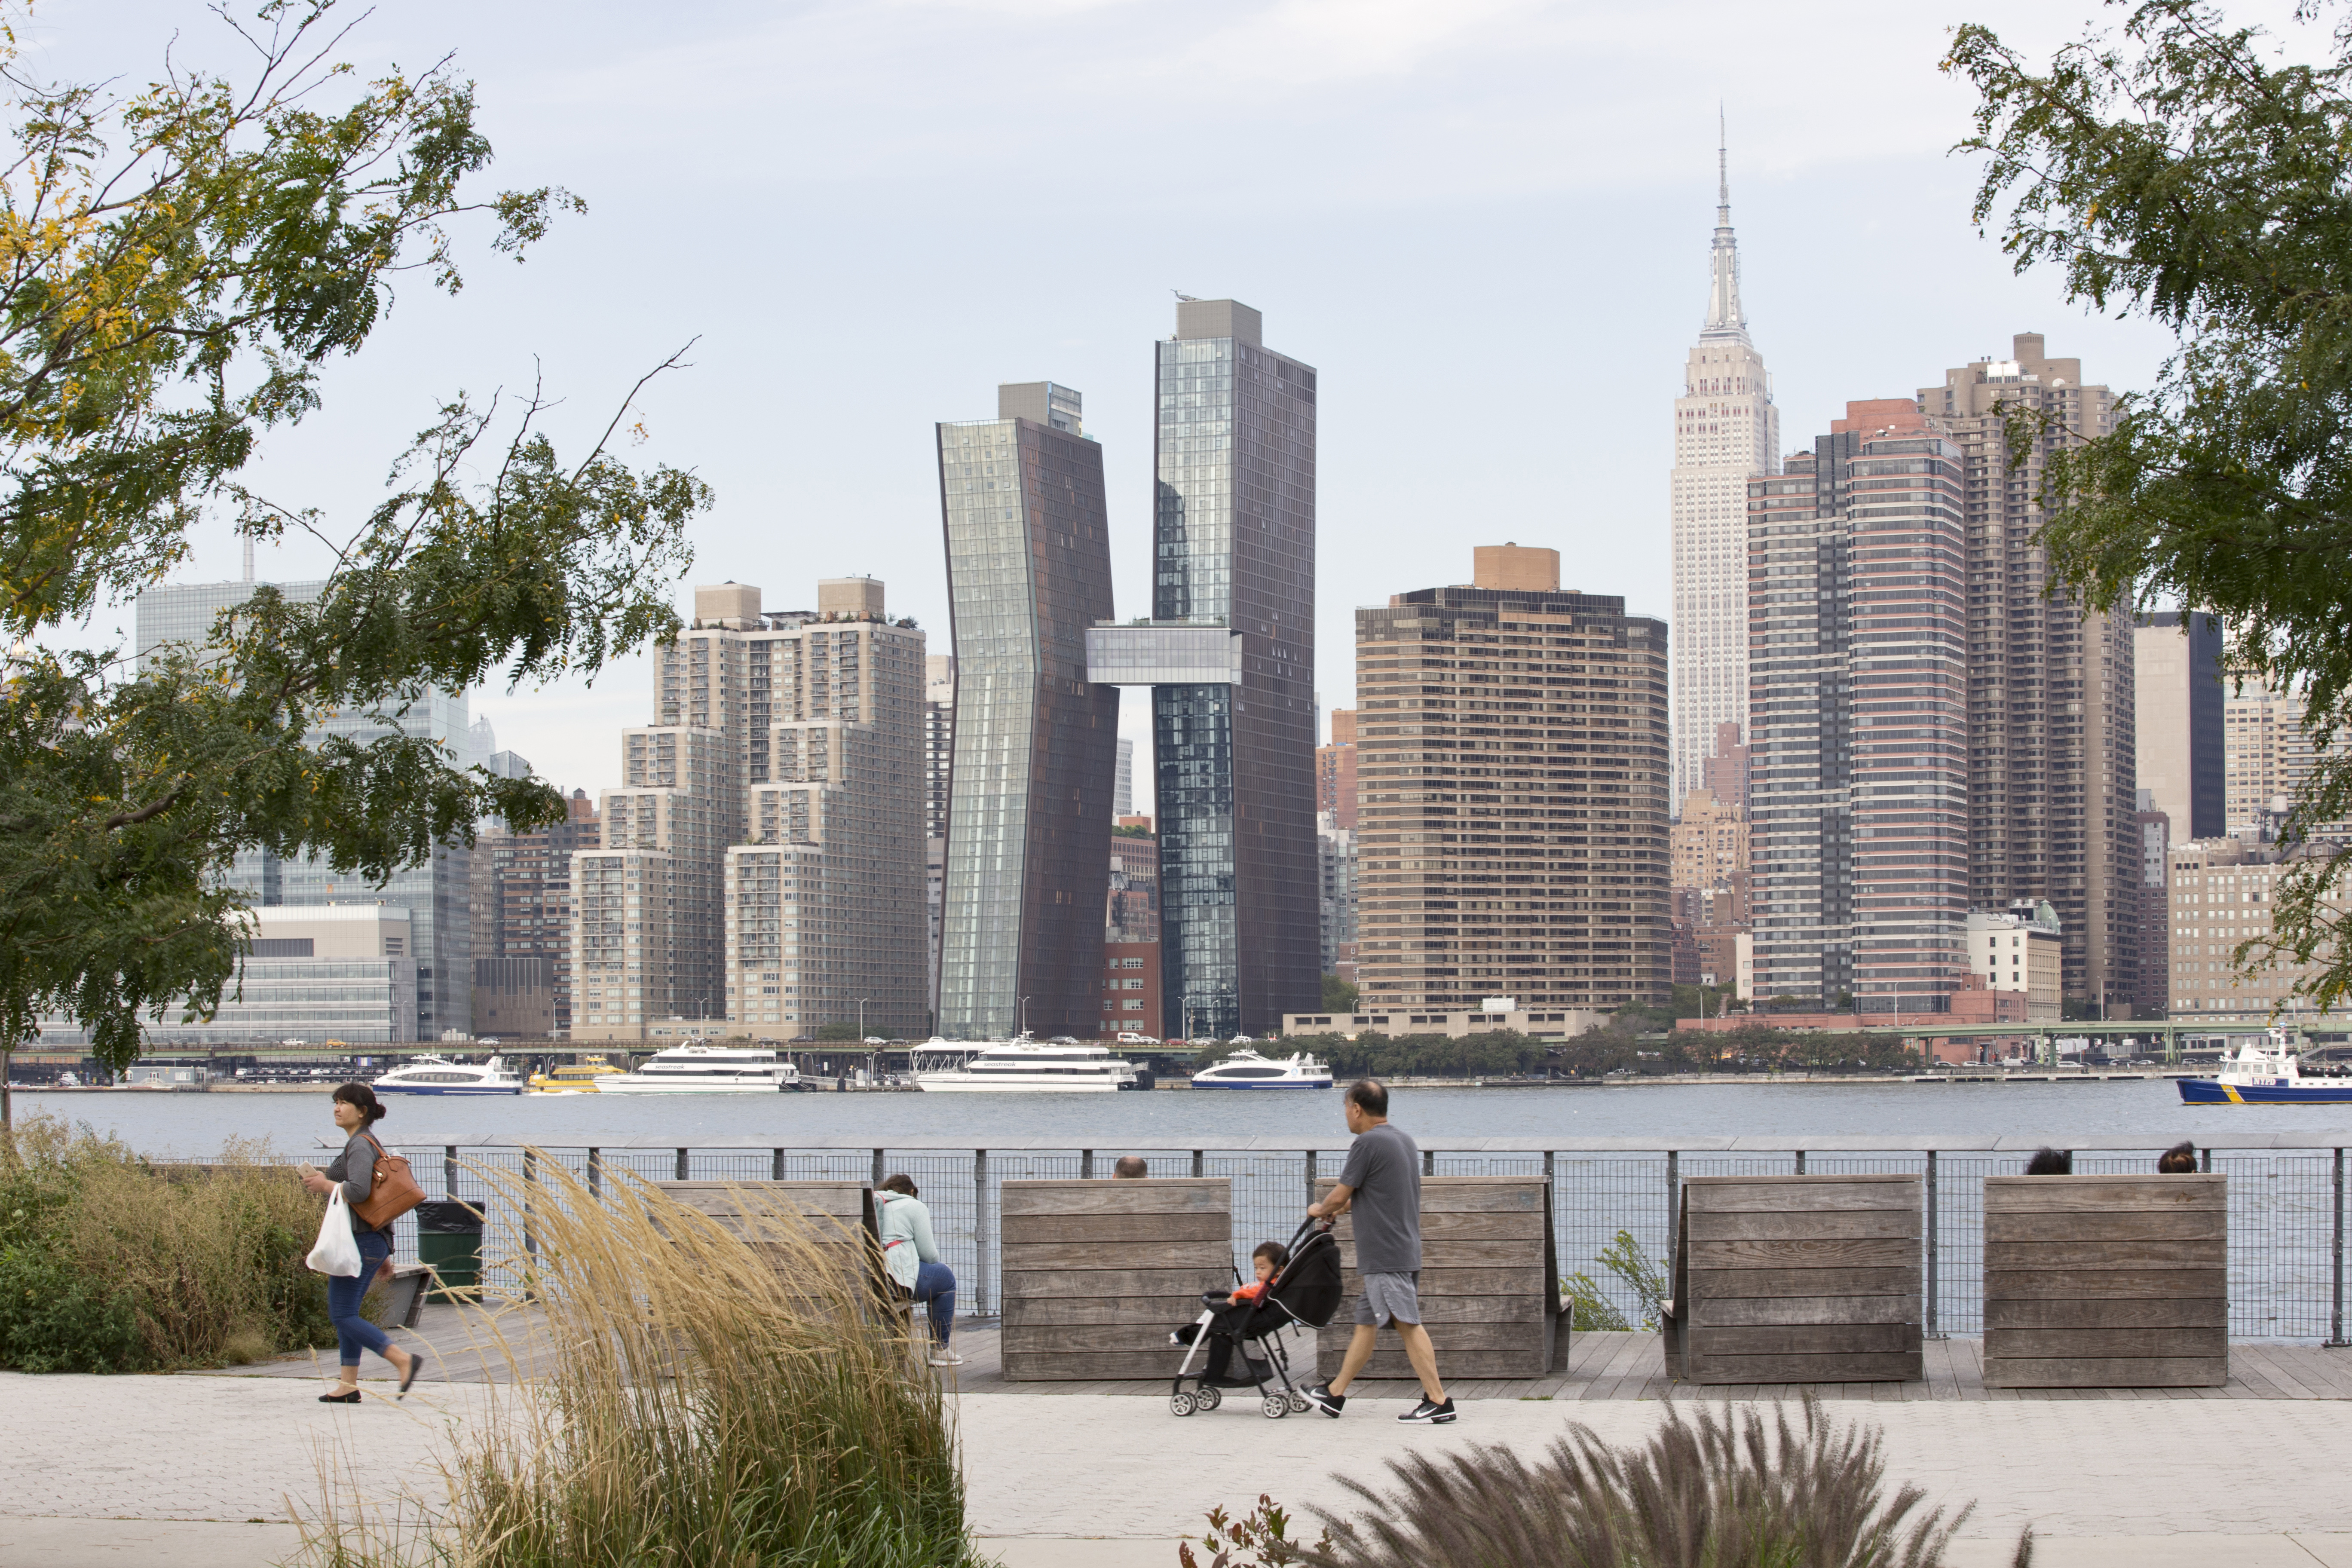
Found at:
<point>205,1263</point>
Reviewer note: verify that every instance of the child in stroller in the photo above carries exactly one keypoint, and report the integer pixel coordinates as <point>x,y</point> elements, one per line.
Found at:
<point>1298,1284</point>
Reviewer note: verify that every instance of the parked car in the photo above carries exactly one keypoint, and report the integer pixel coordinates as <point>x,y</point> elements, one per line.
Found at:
<point>1130,1037</point>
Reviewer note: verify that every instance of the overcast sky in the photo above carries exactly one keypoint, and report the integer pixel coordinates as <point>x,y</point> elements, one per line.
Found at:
<point>1486,222</point>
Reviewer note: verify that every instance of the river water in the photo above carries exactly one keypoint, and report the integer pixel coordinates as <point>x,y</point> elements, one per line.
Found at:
<point>196,1125</point>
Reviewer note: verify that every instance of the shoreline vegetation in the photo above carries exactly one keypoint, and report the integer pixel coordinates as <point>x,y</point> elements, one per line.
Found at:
<point>696,1393</point>
<point>111,1262</point>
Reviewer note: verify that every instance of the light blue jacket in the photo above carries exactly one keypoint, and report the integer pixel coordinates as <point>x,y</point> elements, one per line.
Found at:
<point>904,1224</point>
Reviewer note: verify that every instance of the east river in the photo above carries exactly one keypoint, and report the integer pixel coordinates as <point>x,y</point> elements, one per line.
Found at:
<point>196,1125</point>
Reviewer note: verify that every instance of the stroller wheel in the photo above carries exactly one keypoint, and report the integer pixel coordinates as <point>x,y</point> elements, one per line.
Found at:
<point>1276,1407</point>
<point>1180,1404</point>
<point>1300,1403</point>
<point>1209,1396</point>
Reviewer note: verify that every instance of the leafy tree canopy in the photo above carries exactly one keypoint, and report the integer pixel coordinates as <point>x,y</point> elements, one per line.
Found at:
<point>177,264</point>
<point>2187,171</point>
<point>1339,995</point>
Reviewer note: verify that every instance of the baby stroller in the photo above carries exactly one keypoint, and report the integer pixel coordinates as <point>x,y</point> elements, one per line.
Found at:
<point>1306,1292</point>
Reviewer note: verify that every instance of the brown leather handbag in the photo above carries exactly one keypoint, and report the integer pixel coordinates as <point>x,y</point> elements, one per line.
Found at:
<point>393,1193</point>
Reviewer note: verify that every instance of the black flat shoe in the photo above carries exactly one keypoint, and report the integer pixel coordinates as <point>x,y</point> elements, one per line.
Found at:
<point>415,1361</point>
<point>350,1398</point>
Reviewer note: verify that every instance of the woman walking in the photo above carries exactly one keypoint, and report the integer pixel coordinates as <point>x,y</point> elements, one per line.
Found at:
<point>912,1258</point>
<point>357,1110</point>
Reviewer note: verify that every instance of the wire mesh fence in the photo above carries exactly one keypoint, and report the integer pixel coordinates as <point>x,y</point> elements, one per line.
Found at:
<point>2287,1207</point>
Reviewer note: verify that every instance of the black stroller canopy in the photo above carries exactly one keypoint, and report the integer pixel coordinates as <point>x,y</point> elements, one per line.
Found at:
<point>1307,1288</point>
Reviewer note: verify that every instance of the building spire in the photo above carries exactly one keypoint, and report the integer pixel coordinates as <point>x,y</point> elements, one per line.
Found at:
<point>1724,317</point>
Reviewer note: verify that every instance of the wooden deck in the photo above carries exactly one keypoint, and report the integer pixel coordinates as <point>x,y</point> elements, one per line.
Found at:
<point>1633,1366</point>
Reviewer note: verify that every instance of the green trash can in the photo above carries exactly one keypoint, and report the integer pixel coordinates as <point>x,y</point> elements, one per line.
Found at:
<point>449,1242</point>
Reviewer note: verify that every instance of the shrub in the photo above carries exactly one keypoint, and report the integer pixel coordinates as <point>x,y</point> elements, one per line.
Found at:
<point>1722,1491</point>
<point>718,1399</point>
<point>1624,1257</point>
<point>200,1261</point>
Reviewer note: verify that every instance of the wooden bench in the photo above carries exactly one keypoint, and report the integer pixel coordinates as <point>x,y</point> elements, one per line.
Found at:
<point>399,1302</point>
<point>840,1213</point>
<point>2106,1281</point>
<point>1097,1272</point>
<point>1796,1279</point>
<point>1489,1283</point>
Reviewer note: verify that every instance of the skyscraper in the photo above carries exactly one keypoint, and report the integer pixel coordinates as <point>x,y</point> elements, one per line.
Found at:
<point>1233,542</point>
<point>798,733</point>
<point>438,894</point>
<point>939,767</point>
<point>1511,838</point>
<point>1334,771</point>
<point>1122,789</point>
<point>2052,793</point>
<point>1726,431</point>
<point>1028,841</point>
<point>2176,727</point>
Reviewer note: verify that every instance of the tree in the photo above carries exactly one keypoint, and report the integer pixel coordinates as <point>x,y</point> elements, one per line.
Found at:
<point>1338,995</point>
<point>161,311</point>
<point>2186,173</point>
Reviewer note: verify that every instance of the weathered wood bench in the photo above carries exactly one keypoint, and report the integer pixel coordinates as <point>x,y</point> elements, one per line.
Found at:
<point>1097,1272</point>
<point>841,1213</point>
<point>399,1302</point>
<point>2106,1281</point>
<point>1796,1279</point>
<point>1489,1283</point>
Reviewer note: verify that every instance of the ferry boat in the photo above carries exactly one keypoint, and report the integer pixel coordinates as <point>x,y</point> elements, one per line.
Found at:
<point>1029,1066</point>
<point>577,1077</point>
<point>705,1070</point>
<point>438,1075</point>
<point>2263,1071</point>
<point>1247,1069</point>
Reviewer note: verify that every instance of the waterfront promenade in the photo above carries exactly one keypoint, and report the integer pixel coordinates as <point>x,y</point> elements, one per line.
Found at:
<point>200,1468</point>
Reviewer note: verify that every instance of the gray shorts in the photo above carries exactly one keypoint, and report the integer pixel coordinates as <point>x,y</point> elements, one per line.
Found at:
<point>1388,1299</point>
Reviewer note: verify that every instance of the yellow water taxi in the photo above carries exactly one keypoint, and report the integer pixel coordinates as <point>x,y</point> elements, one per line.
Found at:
<point>579,1078</point>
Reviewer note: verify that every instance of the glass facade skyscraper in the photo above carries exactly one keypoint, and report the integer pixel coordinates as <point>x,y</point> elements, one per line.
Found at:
<point>1233,545</point>
<point>1035,739</point>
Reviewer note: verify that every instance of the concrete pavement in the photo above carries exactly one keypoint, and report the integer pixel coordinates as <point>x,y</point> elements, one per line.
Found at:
<point>202,1471</point>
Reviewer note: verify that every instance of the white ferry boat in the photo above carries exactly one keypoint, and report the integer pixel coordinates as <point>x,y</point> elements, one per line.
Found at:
<point>437,1075</point>
<point>1030,1066</point>
<point>1247,1069</point>
<point>705,1070</point>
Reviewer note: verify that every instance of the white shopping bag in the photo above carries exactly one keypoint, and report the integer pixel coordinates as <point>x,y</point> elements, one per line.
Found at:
<point>338,1251</point>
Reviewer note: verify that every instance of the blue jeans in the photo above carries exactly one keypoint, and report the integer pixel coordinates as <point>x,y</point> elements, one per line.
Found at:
<point>935,1283</point>
<point>354,1334</point>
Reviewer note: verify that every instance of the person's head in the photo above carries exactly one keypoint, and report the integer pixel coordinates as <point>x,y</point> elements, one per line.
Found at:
<point>357,1108</point>
<point>1268,1259</point>
<point>1130,1168</point>
<point>2050,1162</point>
<point>901,1183</point>
<point>1367,1104</point>
<point>2181,1160</point>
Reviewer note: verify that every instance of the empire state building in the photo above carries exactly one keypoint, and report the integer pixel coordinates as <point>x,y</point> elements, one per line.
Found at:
<point>1725,430</point>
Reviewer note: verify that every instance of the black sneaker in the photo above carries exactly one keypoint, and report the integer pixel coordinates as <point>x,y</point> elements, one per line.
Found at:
<point>1425,1414</point>
<point>1323,1399</point>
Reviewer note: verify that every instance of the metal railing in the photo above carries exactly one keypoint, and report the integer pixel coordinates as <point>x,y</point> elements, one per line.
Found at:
<point>2287,1196</point>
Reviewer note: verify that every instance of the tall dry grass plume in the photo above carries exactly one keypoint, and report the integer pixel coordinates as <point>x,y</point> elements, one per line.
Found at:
<point>111,1263</point>
<point>685,1396</point>
<point>1717,1490</point>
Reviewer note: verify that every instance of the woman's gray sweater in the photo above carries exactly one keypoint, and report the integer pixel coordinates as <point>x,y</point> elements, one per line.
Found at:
<point>355,1169</point>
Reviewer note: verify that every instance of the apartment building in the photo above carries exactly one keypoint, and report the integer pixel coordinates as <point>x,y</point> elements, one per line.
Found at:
<point>1512,779</point>
<point>2224,893</point>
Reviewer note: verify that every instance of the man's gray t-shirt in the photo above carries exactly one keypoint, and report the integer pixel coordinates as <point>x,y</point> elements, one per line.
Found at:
<point>1384,1177</point>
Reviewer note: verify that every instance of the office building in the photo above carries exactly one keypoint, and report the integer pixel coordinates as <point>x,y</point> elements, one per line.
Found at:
<point>1726,431</point>
<point>522,922</point>
<point>1511,835</point>
<point>1131,908</point>
<point>1229,652</point>
<point>2225,892</point>
<point>1334,771</point>
<point>939,764</point>
<point>800,729</point>
<point>1122,789</point>
<point>341,972</point>
<point>2267,757</point>
<point>436,894</point>
<point>1537,1023</point>
<point>2053,753</point>
<point>2153,994</point>
<point>1028,552</point>
<point>1724,775</point>
<point>1336,882</point>
<point>2177,726</point>
<point>1709,848</point>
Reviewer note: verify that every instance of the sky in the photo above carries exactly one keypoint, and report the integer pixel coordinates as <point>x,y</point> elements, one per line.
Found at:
<point>1485,222</point>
